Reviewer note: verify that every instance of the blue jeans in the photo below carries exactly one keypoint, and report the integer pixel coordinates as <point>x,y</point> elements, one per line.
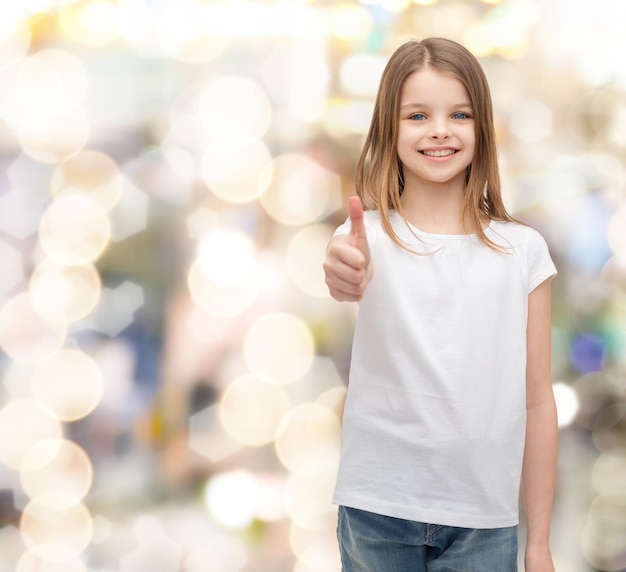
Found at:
<point>371,542</point>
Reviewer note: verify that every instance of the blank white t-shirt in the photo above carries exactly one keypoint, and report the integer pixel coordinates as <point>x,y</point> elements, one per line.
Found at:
<point>434,420</point>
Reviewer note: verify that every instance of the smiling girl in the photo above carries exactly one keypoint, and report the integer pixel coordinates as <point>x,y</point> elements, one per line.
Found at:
<point>450,404</point>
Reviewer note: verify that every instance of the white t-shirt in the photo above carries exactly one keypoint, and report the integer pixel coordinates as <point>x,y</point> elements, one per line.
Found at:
<point>434,420</point>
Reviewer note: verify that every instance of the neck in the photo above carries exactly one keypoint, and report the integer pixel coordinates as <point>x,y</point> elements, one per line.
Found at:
<point>435,208</point>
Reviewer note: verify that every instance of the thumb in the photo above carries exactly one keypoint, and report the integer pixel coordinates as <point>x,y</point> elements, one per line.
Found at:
<point>358,237</point>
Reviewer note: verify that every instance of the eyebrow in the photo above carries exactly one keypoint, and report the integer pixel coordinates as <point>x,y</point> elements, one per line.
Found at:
<point>418,105</point>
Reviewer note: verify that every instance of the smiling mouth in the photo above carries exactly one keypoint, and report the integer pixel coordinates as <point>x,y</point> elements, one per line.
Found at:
<point>438,152</point>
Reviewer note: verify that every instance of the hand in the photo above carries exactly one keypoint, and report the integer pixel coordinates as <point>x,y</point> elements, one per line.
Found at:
<point>538,559</point>
<point>347,266</point>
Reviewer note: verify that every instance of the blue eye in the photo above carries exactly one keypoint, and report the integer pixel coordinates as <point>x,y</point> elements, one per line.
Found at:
<point>460,115</point>
<point>418,117</point>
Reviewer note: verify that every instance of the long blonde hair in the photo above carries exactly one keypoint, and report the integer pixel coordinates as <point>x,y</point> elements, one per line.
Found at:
<point>379,180</point>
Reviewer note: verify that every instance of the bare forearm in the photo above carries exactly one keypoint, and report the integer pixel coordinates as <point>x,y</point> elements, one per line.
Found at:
<point>539,467</point>
<point>539,470</point>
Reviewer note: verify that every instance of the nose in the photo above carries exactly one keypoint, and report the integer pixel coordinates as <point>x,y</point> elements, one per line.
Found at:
<point>440,130</point>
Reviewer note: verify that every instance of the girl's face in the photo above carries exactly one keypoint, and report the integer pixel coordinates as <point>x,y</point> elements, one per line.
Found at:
<point>436,136</point>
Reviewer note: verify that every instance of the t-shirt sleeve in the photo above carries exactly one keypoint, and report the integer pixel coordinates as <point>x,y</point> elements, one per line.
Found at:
<point>540,264</point>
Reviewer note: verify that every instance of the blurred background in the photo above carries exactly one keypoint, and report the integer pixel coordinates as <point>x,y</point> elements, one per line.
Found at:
<point>172,370</point>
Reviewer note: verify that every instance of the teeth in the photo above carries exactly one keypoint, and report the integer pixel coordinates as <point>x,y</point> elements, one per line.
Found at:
<point>439,152</point>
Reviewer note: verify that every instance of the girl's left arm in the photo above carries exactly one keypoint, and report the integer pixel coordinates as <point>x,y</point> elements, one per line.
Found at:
<point>540,453</point>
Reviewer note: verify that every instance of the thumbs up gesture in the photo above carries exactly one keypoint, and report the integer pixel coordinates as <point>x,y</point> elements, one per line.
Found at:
<point>347,266</point>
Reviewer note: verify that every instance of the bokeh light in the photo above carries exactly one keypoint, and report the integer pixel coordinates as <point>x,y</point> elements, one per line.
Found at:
<point>32,93</point>
<point>224,300</point>
<point>181,33</point>
<point>92,22</point>
<point>532,121</point>
<point>344,118</point>
<point>63,293</point>
<point>12,267</point>
<point>602,540</point>
<point>315,548</point>
<point>587,352</point>
<point>307,82</point>
<point>394,5</point>
<point>74,230</point>
<point>72,75</point>
<point>233,106</point>
<point>225,256</point>
<point>69,383</point>
<point>504,31</point>
<point>617,234</point>
<point>305,255</point>
<point>350,22</point>
<point>39,560</point>
<point>231,498</point>
<point>23,424</point>
<point>334,398</point>
<point>608,471</point>
<point>308,487</point>
<point>300,190</point>
<point>56,519</point>
<point>40,100</point>
<point>321,555</point>
<point>251,409</point>
<point>91,174</point>
<point>307,432</point>
<point>360,74</point>
<point>231,168</point>
<point>566,403</point>
<point>269,506</point>
<point>222,553</point>
<point>279,347</point>
<point>15,36</point>
<point>25,335</point>
<point>57,138</point>
<point>56,466</point>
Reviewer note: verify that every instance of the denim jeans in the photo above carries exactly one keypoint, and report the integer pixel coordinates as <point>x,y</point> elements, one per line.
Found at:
<point>371,542</point>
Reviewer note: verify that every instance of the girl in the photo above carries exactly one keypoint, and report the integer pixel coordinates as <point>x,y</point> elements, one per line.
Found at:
<point>450,402</point>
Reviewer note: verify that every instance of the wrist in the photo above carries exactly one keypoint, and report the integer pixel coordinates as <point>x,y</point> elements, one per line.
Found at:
<point>537,546</point>
<point>538,558</point>
<point>538,535</point>
<point>538,541</point>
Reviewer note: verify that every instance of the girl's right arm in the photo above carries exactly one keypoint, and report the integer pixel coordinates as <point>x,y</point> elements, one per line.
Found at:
<point>347,267</point>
